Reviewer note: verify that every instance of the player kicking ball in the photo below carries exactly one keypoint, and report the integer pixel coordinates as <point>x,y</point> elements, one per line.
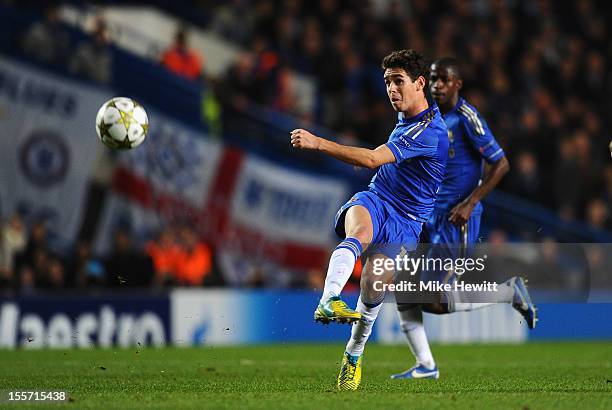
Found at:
<point>455,222</point>
<point>390,214</point>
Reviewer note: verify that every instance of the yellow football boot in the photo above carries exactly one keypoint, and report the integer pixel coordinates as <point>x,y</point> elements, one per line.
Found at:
<point>335,310</point>
<point>350,372</point>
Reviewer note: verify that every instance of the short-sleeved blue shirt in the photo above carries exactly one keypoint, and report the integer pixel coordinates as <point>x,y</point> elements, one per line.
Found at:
<point>470,142</point>
<point>420,147</point>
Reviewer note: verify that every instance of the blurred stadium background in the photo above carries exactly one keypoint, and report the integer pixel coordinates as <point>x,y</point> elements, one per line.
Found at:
<point>216,216</point>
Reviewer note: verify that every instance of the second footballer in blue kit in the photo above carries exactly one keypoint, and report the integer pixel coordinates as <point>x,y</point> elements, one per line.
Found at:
<point>455,222</point>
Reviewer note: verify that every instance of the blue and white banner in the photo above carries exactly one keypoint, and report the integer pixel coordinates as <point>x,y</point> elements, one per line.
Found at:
<point>234,317</point>
<point>285,204</point>
<point>199,317</point>
<point>84,321</point>
<point>176,160</point>
<point>48,144</point>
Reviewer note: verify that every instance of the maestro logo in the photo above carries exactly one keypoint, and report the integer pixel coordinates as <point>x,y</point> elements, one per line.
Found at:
<point>44,158</point>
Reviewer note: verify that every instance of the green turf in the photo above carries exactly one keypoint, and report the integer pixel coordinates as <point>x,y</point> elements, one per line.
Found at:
<point>534,376</point>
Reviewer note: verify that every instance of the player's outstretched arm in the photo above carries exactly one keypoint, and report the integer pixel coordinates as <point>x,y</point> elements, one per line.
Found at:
<point>363,157</point>
<point>493,174</point>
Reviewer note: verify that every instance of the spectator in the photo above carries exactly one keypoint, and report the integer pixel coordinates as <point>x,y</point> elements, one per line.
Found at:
<point>85,270</point>
<point>182,60</point>
<point>40,263</point>
<point>12,242</point>
<point>525,181</point>
<point>48,41</point>
<point>608,184</point>
<point>165,253</point>
<point>127,267</point>
<point>35,249</point>
<point>93,59</point>
<point>194,260</point>
<point>285,99</point>
<point>54,277</point>
<point>7,279</point>
<point>225,18</point>
<point>588,167</point>
<point>566,184</point>
<point>239,85</point>
<point>27,284</point>
<point>598,214</point>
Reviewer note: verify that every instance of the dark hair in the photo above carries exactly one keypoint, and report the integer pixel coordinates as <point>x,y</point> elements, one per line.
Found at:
<point>409,60</point>
<point>452,63</point>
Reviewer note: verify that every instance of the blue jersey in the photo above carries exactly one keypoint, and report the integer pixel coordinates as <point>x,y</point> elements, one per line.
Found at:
<point>470,142</point>
<point>420,147</point>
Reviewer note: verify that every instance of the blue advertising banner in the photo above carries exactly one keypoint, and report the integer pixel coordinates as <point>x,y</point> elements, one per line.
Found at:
<point>195,317</point>
<point>573,321</point>
<point>61,321</point>
<point>232,317</point>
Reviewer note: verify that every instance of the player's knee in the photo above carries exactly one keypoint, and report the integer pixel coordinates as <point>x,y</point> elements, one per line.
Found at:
<point>407,326</point>
<point>361,232</point>
<point>372,287</point>
<point>368,282</point>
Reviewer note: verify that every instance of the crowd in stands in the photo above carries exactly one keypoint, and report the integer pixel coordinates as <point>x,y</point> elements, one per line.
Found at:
<point>49,41</point>
<point>538,71</point>
<point>29,262</point>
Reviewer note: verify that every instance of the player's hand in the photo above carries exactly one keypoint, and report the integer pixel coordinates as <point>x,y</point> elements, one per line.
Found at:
<point>305,140</point>
<point>461,212</point>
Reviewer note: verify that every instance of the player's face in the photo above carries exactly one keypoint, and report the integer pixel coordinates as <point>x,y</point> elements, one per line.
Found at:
<point>443,84</point>
<point>402,91</point>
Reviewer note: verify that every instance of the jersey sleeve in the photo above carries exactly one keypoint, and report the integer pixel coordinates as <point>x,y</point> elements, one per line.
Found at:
<point>480,135</point>
<point>415,143</point>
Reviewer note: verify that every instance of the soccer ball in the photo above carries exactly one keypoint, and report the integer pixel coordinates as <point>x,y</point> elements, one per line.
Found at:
<point>122,123</point>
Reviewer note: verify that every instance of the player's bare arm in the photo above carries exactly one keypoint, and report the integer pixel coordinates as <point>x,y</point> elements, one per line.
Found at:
<point>362,157</point>
<point>492,175</point>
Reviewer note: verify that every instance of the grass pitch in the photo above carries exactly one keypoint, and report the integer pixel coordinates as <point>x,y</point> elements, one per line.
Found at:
<point>531,376</point>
